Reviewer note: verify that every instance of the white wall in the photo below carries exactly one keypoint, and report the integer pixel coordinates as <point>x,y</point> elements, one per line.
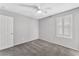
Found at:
<point>47,30</point>
<point>25,28</point>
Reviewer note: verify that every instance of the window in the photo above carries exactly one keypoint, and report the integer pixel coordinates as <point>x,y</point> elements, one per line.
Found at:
<point>64,26</point>
<point>59,26</point>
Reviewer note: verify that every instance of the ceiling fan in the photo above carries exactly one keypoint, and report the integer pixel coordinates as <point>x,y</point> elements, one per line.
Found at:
<point>37,8</point>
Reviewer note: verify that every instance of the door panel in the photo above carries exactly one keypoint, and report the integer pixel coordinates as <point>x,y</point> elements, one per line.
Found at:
<point>6,32</point>
<point>0,31</point>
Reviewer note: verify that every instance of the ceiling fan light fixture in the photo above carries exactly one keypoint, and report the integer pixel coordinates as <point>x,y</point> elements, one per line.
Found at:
<point>39,11</point>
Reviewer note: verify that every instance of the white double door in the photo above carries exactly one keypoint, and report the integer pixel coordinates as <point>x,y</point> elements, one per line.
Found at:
<point>6,32</point>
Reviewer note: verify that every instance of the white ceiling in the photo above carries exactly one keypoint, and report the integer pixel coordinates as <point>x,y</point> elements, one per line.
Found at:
<point>47,8</point>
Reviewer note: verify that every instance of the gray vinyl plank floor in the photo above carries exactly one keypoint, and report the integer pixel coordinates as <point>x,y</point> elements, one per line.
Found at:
<point>39,48</point>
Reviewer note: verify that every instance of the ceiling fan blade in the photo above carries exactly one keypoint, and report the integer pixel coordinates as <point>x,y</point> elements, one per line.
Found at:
<point>30,6</point>
<point>37,8</point>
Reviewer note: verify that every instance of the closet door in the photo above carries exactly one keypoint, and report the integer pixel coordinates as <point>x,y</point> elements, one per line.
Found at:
<point>6,32</point>
<point>0,31</point>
